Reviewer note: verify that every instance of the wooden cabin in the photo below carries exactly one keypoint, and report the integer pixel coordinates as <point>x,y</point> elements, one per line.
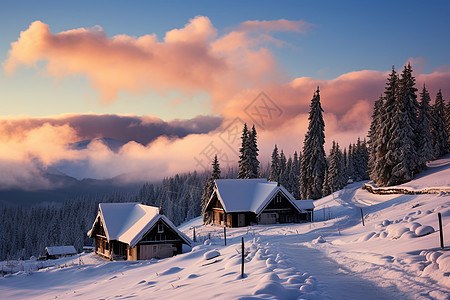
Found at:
<point>59,251</point>
<point>133,231</point>
<point>241,202</point>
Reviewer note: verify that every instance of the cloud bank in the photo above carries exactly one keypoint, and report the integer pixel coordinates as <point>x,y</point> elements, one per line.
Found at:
<point>233,68</point>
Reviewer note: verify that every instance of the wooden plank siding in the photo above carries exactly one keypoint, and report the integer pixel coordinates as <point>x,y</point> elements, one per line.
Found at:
<point>166,241</point>
<point>278,210</point>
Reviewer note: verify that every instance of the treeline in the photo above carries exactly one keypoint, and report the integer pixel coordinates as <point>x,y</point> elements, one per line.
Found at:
<point>406,134</point>
<point>27,231</point>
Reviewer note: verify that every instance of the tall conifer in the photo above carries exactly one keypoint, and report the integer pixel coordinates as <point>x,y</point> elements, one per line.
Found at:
<point>313,163</point>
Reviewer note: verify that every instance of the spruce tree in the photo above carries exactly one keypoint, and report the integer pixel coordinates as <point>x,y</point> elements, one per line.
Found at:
<point>275,165</point>
<point>294,176</point>
<point>282,179</point>
<point>208,188</point>
<point>331,184</point>
<point>386,158</point>
<point>253,154</point>
<point>326,190</point>
<point>344,167</point>
<point>374,133</point>
<point>350,163</point>
<point>244,159</point>
<point>438,129</point>
<point>423,138</point>
<point>343,178</point>
<point>313,165</point>
<point>286,175</point>
<point>248,159</point>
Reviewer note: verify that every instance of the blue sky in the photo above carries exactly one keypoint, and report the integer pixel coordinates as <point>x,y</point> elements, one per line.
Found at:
<point>346,36</point>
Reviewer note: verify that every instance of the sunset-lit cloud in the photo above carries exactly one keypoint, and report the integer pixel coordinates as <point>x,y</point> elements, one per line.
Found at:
<point>232,66</point>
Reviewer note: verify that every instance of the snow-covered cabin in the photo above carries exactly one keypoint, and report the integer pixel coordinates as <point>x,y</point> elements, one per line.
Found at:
<point>133,231</point>
<point>59,251</point>
<point>240,202</point>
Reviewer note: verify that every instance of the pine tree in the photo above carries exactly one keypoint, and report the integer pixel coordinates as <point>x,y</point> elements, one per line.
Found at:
<point>326,190</point>
<point>374,133</point>
<point>275,165</point>
<point>386,158</point>
<point>208,188</point>
<point>287,172</point>
<point>342,175</point>
<point>423,138</point>
<point>294,176</point>
<point>244,159</point>
<point>344,168</point>
<point>350,163</point>
<point>313,163</point>
<point>438,129</point>
<point>282,179</point>
<point>360,158</point>
<point>334,180</point>
<point>253,154</point>
<point>248,159</point>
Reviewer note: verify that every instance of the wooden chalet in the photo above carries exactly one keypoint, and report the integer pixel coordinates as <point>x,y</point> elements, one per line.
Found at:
<point>241,202</point>
<point>59,251</point>
<point>133,231</point>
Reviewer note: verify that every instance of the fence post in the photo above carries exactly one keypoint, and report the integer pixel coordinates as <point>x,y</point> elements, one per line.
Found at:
<point>195,239</point>
<point>225,235</point>
<point>362,217</point>
<point>242,265</point>
<point>441,233</point>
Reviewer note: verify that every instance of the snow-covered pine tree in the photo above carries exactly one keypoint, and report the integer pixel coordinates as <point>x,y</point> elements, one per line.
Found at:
<point>365,160</point>
<point>286,175</point>
<point>244,160</point>
<point>344,168</point>
<point>342,175</point>
<point>253,154</point>
<point>326,190</point>
<point>438,128</point>
<point>334,179</point>
<point>294,176</point>
<point>313,163</point>
<point>374,134</point>
<point>386,159</point>
<point>330,173</point>
<point>423,138</point>
<point>360,159</point>
<point>402,154</point>
<point>282,179</point>
<point>275,165</point>
<point>408,99</point>
<point>208,188</point>
<point>350,163</point>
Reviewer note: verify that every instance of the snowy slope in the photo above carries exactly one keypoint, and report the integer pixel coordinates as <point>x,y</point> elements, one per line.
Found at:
<point>333,258</point>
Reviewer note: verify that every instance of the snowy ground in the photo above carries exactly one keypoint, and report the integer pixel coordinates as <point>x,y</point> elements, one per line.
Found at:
<point>334,258</point>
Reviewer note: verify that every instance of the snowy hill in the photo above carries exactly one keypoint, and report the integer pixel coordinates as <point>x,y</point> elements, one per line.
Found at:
<point>333,258</point>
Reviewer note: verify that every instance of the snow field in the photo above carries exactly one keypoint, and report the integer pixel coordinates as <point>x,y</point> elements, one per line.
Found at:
<point>209,270</point>
<point>396,255</point>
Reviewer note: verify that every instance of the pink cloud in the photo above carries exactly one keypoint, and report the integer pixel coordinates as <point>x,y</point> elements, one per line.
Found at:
<point>233,69</point>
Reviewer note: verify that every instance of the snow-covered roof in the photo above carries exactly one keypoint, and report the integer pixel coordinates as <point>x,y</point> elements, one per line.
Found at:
<point>129,222</point>
<point>304,204</point>
<point>61,250</point>
<point>249,195</point>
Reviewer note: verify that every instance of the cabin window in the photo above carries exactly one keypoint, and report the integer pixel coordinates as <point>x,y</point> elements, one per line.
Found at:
<point>160,228</point>
<point>278,199</point>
